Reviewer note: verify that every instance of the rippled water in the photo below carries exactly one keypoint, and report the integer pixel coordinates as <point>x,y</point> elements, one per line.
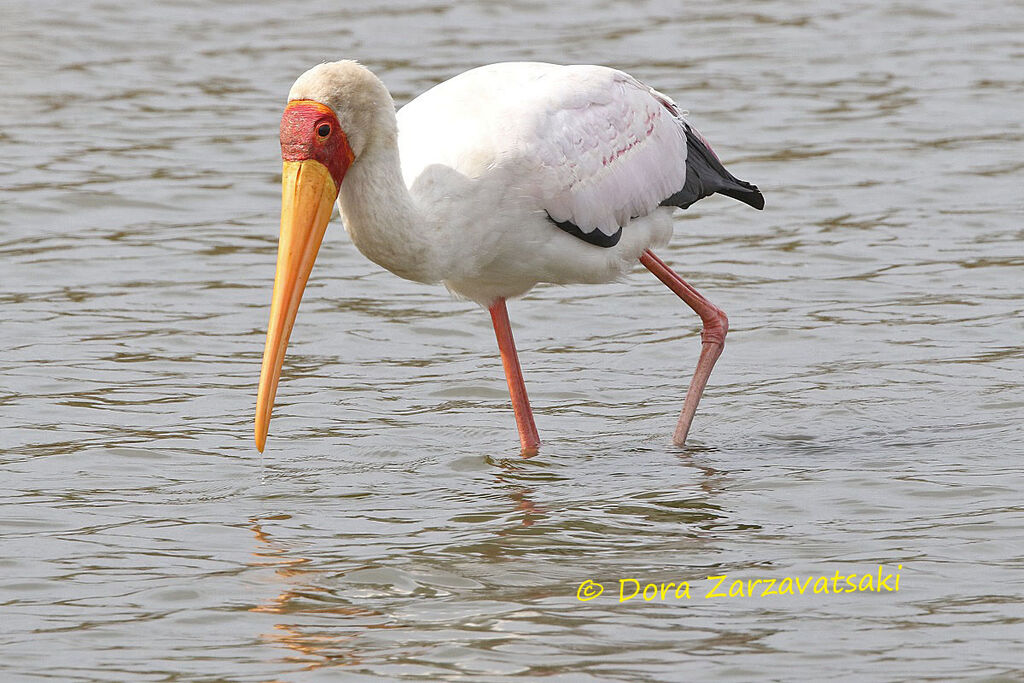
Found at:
<point>867,410</point>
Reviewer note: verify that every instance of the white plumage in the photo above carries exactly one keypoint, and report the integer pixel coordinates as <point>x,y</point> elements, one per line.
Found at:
<point>587,144</point>
<point>489,155</point>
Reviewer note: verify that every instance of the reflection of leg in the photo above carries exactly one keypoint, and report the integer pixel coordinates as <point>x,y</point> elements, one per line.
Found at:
<point>528,436</point>
<point>712,336</point>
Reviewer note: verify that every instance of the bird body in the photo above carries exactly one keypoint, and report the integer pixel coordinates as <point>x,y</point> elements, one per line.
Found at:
<point>492,157</point>
<point>526,144</point>
<point>496,180</point>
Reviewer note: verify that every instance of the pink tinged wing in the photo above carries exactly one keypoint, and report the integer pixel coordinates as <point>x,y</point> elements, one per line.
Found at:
<point>609,151</point>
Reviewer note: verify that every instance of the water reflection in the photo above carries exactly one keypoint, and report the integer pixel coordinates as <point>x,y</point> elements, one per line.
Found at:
<point>302,596</point>
<point>519,494</point>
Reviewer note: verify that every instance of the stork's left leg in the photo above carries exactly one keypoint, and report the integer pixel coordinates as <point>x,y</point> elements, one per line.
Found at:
<point>712,337</point>
<point>528,436</point>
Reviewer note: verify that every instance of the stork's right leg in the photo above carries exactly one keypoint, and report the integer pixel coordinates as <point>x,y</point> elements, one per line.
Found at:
<point>712,337</point>
<point>528,436</point>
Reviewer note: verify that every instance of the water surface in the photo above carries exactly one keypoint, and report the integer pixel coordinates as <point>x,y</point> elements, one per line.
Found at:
<point>867,410</point>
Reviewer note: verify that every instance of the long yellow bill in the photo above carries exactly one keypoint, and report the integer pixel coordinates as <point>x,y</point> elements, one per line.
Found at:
<point>307,197</point>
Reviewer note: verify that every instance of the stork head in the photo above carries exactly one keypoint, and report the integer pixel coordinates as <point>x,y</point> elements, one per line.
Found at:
<point>335,112</point>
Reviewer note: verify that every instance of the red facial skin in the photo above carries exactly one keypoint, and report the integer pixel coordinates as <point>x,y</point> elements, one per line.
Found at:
<point>301,139</point>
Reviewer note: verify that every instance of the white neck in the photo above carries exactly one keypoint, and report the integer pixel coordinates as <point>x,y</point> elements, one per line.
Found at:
<point>382,218</point>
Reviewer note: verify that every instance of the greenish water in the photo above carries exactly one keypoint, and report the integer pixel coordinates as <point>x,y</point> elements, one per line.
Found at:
<point>867,410</point>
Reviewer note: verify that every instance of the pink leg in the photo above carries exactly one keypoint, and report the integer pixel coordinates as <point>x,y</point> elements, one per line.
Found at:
<point>712,337</point>
<point>528,436</point>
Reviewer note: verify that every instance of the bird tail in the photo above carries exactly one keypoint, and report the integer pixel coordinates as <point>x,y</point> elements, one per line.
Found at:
<point>744,192</point>
<point>705,175</point>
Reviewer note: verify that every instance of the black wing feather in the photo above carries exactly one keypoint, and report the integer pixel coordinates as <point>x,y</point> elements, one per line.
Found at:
<point>595,236</point>
<point>705,175</point>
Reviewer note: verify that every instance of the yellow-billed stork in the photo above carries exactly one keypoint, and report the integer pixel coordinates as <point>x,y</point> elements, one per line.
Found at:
<point>501,178</point>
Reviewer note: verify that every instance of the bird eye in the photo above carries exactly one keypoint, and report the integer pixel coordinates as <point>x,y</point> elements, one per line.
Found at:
<point>323,130</point>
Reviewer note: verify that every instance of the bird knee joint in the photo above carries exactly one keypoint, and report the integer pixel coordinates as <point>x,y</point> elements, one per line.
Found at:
<point>716,326</point>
